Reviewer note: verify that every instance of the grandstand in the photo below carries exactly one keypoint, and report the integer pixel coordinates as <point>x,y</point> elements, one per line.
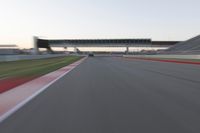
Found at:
<point>191,46</point>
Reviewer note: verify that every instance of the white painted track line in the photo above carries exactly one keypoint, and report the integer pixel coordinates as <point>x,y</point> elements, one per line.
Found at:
<point>14,99</point>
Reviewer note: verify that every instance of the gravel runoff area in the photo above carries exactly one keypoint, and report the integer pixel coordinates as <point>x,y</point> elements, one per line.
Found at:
<point>15,73</point>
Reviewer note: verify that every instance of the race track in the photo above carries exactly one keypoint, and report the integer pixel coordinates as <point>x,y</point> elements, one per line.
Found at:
<point>115,95</point>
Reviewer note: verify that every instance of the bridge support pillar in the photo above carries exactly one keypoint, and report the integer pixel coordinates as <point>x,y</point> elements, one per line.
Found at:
<point>75,50</point>
<point>35,44</point>
<point>127,50</point>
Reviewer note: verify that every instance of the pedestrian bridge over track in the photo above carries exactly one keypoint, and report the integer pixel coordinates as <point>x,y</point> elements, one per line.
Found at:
<point>45,43</point>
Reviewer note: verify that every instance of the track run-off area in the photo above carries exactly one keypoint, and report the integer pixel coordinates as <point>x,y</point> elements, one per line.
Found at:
<point>115,95</point>
<point>15,73</point>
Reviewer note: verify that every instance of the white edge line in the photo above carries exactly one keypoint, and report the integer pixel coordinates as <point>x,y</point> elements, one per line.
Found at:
<point>21,104</point>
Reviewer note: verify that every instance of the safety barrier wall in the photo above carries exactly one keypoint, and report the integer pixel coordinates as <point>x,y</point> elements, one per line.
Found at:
<point>166,56</point>
<point>4,58</point>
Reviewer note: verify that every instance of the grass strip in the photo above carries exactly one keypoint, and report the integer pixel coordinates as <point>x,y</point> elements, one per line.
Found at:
<point>34,67</point>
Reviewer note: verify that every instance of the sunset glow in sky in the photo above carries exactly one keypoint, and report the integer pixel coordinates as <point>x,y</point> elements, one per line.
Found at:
<point>156,19</point>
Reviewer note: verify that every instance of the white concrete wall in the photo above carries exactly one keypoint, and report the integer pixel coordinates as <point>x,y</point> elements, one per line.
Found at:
<point>167,56</point>
<point>26,57</point>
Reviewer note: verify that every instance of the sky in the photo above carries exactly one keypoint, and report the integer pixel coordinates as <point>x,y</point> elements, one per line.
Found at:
<point>20,20</point>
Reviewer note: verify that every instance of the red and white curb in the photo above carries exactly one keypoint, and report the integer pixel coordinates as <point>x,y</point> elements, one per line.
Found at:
<point>14,99</point>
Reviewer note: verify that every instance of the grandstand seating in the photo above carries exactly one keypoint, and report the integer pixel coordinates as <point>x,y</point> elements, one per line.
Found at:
<point>191,46</point>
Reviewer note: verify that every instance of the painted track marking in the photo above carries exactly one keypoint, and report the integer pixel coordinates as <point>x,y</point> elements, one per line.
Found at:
<point>14,99</point>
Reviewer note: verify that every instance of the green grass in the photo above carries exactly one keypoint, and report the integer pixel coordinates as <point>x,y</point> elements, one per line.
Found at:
<point>34,68</point>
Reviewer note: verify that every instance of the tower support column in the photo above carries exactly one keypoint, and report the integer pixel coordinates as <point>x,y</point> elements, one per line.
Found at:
<point>35,45</point>
<point>127,50</point>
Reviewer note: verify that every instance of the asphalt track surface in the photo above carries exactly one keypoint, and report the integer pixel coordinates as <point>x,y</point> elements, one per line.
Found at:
<point>115,95</point>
